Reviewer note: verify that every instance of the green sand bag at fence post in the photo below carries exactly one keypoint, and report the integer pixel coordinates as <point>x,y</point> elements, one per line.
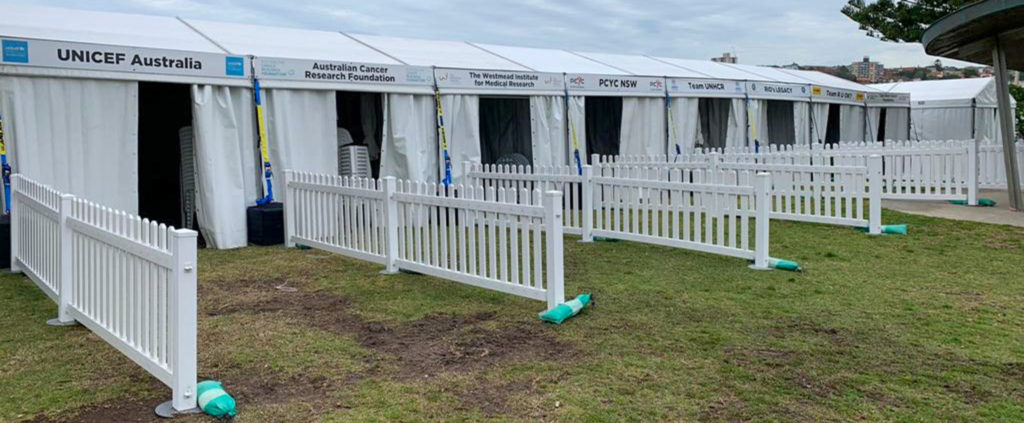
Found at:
<point>982,202</point>
<point>565,310</point>
<point>606,239</point>
<point>214,400</point>
<point>784,265</point>
<point>900,229</point>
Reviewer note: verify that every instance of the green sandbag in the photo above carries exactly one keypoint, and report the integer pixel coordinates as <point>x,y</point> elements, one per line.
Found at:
<point>982,202</point>
<point>784,265</point>
<point>894,229</point>
<point>606,239</point>
<point>214,400</point>
<point>565,310</point>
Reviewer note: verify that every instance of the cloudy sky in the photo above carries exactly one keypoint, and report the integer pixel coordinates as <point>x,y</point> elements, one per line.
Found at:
<point>771,32</point>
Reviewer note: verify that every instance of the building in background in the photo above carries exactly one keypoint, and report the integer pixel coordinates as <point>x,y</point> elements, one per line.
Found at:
<point>867,71</point>
<point>726,58</point>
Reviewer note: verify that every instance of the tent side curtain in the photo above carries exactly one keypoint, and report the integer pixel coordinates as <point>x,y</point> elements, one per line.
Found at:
<point>462,128</point>
<point>78,135</point>
<point>301,132</point>
<point>986,125</point>
<point>226,163</point>
<point>801,122</point>
<point>736,136</point>
<point>819,122</point>
<point>577,129</point>
<point>942,124</point>
<point>851,123</point>
<point>684,124</point>
<point>547,120</point>
<point>410,149</point>
<point>758,113</point>
<point>643,126</point>
<point>897,123</point>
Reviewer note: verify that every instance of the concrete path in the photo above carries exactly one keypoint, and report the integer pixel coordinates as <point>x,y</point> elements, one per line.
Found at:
<point>1000,214</point>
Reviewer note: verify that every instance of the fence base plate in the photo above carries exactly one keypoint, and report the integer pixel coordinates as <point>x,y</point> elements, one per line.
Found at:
<point>390,272</point>
<point>756,267</point>
<point>167,411</point>
<point>56,322</point>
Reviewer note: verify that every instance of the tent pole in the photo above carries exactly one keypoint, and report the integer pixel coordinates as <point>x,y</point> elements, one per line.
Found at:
<point>1006,124</point>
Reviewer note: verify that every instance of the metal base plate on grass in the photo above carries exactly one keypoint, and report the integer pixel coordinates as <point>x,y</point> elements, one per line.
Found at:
<point>56,322</point>
<point>167,411</point>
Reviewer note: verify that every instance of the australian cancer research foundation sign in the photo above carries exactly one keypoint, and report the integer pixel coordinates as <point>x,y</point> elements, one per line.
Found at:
<point>482,80</point>
<point>322,71</point>
<point>97,57</point>
<point>615,84</point>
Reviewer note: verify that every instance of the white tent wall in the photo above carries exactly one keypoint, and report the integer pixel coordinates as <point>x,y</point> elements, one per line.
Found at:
<point>684,124</point>
<point>986,126</point>
<point>547,121</point>
<point>801,122</point>
<point>874,116</point>
<point>462,129</point>
<point>78,135</point>
<point>643,126</point>
<point>226,164</point>
<point>410,149</point>
<point>736,136</point>
<point>758,113</point>
<point>819,122</point>
<point>953,123</point>
<point>897,123</point>
<point>301,132</point>
<point>851,123</point>
<point>577,118</point>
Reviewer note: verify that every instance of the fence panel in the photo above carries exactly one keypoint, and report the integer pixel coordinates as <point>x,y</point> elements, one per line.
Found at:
<point>36,215</point>
<point>567,179</point>
<point>992,165</point>
<point>931,171</point>
<point>660,206</point>
<point>343,215</point>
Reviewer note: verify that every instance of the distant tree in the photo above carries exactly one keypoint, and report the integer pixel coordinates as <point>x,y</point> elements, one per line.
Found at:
<point>1018,94</point>
<point>970,72</point>
<point>844,72</point>
<point>899,20</point>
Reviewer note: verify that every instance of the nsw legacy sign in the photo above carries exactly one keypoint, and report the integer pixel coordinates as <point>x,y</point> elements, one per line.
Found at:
<point>96,57</point>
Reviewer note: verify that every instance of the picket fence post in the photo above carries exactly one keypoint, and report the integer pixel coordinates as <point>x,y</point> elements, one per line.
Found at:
<point>64,284</point>
<point>289,211</point>
<point>390,226</point>
<point>875,194</point>
<point>553,232</point>
<point>183,313</point>
<point>972,172</point>
<point>762,190</point>
<point>15,208</point>
<point>588,204</point>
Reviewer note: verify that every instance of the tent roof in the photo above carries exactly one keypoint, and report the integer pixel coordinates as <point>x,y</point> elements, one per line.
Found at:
<point>946,92</point>
<point>263,41</point>
<point>642,65</point>
<point>448,54</point>
<point>770,74</point>
<point>82,26</point>
<point>715,70</point>
<point>821,78</point>
<point>549,60</point>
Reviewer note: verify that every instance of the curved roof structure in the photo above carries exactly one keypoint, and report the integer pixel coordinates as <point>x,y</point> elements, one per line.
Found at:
<point>947,92</point>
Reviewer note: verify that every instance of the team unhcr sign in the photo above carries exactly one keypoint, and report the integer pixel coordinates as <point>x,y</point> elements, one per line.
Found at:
<point>341,72</point>
<point>470,80</point>
<point>612,84</point>
<point>98,57</point>
<point>705,88</point>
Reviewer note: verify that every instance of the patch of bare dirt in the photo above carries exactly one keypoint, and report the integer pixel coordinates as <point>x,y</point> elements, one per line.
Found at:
<point>121,411</point>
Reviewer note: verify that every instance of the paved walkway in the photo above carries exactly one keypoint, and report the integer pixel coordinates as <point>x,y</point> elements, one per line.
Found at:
<point>1000,214</point>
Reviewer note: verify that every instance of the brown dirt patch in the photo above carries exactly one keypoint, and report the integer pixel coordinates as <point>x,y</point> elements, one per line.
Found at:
<point>121,411</point>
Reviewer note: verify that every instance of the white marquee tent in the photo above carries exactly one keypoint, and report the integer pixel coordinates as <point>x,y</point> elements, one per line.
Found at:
<point>951,109</point>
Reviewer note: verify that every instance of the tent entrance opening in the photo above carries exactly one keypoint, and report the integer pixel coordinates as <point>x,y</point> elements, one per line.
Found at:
<point>832,133</point>
<point>781,129</point>
<point>166,158</point>
<point>604,125</point>
<point>360,123</point>
<point>714,121</point>
<point>505,131</point>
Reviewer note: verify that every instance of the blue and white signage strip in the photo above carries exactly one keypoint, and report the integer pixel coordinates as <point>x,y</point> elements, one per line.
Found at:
<point>615,85</point>
<point>820,94</point>
<point>889,99</point>
<point>680,87</point>
<point>36,56</point>
<point>472,81</point>
<point>354,76</point>
<point>778,91</point>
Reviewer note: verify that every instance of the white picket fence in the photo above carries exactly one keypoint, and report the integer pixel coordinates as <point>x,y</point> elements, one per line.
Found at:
<point>507,240</point>
<point>567,179</point>
<point>129,280</point>
<point>682,209</point>
<point>992,165</point>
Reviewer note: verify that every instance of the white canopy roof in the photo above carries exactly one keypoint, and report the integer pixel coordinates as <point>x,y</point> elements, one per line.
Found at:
<point>447,54</point>
<point>713,69</point>
<point>642,65</point>
<point>946,92</point>
<point>549,60</point>
<point>821,78</point>
<point>264,41</point>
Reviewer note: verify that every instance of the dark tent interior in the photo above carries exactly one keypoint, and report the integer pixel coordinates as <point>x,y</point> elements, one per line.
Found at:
<point>164,109</point>
<point>781,129</point>
<point>359,113</point>
<point>505,131</point>
<point>604,125</point>
<point>832,134</point>
<point>714,121</point>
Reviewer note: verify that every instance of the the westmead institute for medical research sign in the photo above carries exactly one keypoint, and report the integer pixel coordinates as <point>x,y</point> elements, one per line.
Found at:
<point>464,79</point>
<point>341,72</point>
<point>97,57</point>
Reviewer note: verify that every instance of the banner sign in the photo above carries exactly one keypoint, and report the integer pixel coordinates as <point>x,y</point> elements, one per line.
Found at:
<point>98,57</point>
<point>341,72</point>
<point>895,99</point>
<point>837,94</point>
<point>464,79</point>
<point>777,90</point>
<point>637,85</point>
<point>706,87</point>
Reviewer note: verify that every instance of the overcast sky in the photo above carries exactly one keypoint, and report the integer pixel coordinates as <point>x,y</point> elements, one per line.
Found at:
<point>761,32</point>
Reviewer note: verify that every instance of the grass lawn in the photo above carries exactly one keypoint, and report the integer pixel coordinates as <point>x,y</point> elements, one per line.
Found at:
<point>919,328</point>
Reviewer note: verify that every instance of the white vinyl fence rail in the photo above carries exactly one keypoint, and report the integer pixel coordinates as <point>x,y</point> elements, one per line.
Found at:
<point>667,206</point>
<point>566,179</point>
<point>129,280</point>
<point>992,165</point>
<point>508,240</point>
